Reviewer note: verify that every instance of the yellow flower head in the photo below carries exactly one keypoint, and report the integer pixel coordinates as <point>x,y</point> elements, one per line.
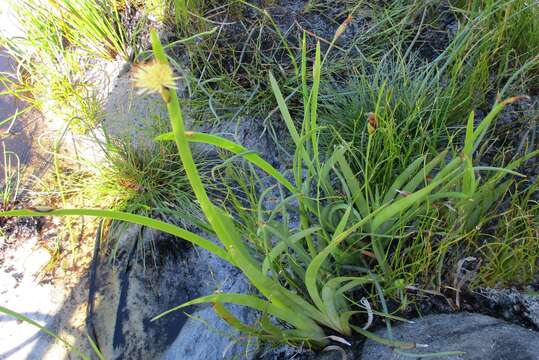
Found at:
<point>154,77</point>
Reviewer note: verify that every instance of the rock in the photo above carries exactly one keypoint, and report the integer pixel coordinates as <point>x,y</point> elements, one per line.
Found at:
<point>509,304</point>
<point>480,337</point>
<point>138,287</point>
<point>204,335</point>
<point>57,305</point>
<point>250,132</point>
<point>283,352</point>
<point>132,289</point>
<point>130,117</point>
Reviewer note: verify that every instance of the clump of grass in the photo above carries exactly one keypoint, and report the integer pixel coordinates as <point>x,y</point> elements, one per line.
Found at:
<point>10,182</point>
<point>412,109</point>
<point>61,43</point>
<point>227,67</point>
<point>93,26</point>
<point>143,181</point>
<point>510,254</point>
<point>489,55</point>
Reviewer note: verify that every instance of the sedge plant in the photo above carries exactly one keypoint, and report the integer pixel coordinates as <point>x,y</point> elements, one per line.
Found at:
<point>312,301</point>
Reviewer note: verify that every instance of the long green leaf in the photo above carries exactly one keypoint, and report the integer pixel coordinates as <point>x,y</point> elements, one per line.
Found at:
<point>389,342</point>
<point>421,176</point>
<point>402,204</point>
<point>281,246</point>
<point>353,184</point>
<point>233,148</point>
<point>402,179</point>
<point>313,102</point>
<point>468,180</point>
<point>222,225</point>
<point>312,273</point>
<point>292,317</point>
<point>133,219</point>
<point>283,108</point>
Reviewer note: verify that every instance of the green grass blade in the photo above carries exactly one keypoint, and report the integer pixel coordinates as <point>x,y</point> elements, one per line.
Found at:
<point>312,274</point>
<point>313,102</point>
<point>402,204</point>
<point>392,343</point>
<point>402,179</point>
<point>482,128</point>
<point>283,108</point>
<point>294,318</point>
<point>235,148</point>
<point>95,349</point>
<point>281,246</point>
<point>421,176</point>
<point>468,180</point>
<point>353,184</point>
<point>131,218</point>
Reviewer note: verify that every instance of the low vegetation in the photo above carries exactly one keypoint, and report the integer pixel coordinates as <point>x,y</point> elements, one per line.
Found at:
<point>402,166</point>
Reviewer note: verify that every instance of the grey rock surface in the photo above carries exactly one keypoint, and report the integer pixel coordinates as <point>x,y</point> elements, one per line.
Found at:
<point>137,287</point>
<point>129,116</point>
<point>21,128</point>
<point>206,336</point>
<point>479,337</point>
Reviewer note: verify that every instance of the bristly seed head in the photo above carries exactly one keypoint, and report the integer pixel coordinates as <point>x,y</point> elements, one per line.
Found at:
<point>154,77</point>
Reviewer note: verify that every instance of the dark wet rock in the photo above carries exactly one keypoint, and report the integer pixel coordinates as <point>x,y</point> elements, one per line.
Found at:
<point>206,336</point>
<point>138,286</point>
<point>480,337</point>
